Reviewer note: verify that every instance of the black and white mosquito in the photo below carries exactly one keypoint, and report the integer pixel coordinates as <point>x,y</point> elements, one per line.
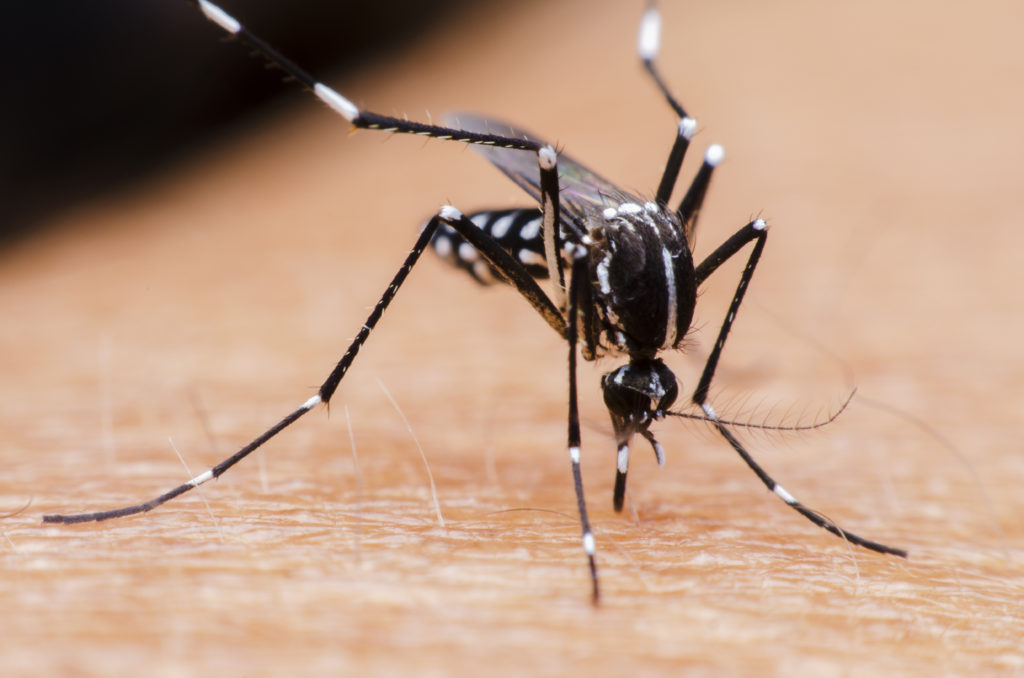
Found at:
<point>622,275</point>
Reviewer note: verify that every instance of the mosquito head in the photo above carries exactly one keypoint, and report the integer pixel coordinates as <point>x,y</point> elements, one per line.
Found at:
<point>638,393</point>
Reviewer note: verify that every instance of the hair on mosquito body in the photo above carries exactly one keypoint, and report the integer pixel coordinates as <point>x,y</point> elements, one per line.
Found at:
<point>613,274</point>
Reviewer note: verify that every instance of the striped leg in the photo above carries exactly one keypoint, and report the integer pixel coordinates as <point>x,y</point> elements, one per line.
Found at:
<point>756,230</point>
<point>578,280</point>
<point>506,266</point>
<point>342,105</point>
<point>648,44</point>
<point>693,200</point>
<point>547,158</point>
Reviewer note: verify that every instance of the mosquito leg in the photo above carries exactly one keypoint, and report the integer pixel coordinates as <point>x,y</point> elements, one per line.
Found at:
<point>756,230</point>
<point>546,156</point>
<point>684,133</point>
<point>579,277</point>
<point>324,396</point>
<point>647,45</point>
<point>516,275</point>
<point>498,257</point>
<point>693,200</point>
<point>790,500</point>
<point>194,482</point>
<point>343,106</point>
<point>547,159</point>
<point>506,266</point>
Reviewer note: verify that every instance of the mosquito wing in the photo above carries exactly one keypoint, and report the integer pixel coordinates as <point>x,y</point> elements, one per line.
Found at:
<point>582,190</point>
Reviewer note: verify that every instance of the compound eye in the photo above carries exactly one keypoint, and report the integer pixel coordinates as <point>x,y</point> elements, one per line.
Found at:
<point>623,400</point>
<point>671,393</point>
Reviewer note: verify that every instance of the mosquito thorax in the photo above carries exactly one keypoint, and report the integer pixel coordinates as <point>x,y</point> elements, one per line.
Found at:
<point>643,278</point>
<point>638,393</point>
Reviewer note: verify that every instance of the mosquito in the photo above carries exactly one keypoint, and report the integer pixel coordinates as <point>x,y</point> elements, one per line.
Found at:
<point>623,281</point>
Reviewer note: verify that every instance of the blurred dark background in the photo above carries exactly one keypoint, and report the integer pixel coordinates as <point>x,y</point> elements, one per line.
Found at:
<point>103,92</point>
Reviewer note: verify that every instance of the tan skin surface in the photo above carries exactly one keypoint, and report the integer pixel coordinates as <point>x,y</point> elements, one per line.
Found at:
<point>883,146</point>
